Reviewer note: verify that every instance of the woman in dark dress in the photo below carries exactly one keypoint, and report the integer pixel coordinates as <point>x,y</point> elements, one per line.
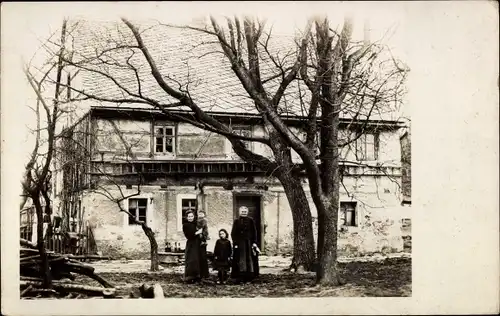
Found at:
<point>193,261</point>
<point>222,256</point>
<point>245,265</point>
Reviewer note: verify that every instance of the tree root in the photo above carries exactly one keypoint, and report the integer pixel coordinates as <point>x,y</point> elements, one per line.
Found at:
<point>299,268</point>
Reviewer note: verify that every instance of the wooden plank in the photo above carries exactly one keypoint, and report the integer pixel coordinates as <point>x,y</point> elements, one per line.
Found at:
<point>92,290</point>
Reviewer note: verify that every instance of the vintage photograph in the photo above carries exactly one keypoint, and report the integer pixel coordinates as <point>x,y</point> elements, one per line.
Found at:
<point>225,156</point>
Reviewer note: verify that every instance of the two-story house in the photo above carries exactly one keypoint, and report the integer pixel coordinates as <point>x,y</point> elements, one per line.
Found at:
<point>180,167</point>
<point>113,150</point>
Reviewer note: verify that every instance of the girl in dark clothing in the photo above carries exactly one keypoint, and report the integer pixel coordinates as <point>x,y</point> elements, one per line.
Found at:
<point>222,256</point>
<point>193,263</point>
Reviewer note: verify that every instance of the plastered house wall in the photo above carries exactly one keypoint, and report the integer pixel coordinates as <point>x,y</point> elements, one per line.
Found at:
<point>380,226</point>
<point>380,216</point>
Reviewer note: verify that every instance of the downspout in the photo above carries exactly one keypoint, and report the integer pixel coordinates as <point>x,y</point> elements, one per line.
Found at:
<point>278,226</point>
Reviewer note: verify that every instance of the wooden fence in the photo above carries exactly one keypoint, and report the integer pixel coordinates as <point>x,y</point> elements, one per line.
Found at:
<point>80,244</point>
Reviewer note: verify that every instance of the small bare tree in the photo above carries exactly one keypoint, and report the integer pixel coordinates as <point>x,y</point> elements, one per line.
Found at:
<point>36,182</point>
<point>76,151</point>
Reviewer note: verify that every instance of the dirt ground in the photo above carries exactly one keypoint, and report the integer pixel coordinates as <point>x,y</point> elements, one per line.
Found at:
<point>389,277</point>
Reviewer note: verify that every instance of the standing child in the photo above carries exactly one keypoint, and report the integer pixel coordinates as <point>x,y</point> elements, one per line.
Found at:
<point>201,224</point>
<point>222,256</point>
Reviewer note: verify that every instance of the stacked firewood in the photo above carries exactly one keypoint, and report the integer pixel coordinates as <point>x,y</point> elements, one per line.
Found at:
<point>63,269</point>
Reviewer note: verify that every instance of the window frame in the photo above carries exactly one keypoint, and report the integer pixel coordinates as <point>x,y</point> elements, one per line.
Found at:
<point>248,144</point>
<point>361,147</point>
<point>180,213</point>
<point>164,136</point>
<point>137,210</point>
<point>343,213</point>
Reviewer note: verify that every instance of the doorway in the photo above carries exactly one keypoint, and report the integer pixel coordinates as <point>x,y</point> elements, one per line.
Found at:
<point>253,202</point>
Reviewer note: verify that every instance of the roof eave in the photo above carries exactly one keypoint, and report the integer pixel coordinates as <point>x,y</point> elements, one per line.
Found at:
<point>94,108</point>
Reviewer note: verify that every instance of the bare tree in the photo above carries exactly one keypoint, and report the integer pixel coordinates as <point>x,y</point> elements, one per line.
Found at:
<point>326,71</point>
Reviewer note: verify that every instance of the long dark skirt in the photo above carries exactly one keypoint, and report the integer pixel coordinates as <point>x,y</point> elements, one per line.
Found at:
<point>245,266</point>
<point>192,264</point>
<point>204,273</point>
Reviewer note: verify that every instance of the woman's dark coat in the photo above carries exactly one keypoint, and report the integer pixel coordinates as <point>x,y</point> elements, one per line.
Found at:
<point>245,264</point>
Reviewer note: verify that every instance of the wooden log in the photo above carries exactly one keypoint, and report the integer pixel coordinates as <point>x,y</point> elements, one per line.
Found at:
<point>23,259</point>
<point>26,290</point>
<point>96,277</point>
<point>32,279</point>
<point>29,262</point>
<point>85,257</point>
<point>28,278</point>
<point>56,259</point>
<point>36,259</point>
<point>29,250</point>
<point>68,287</point>
<point>45,292</point>
<point>79,265</point>
<point>87,272</point>
<point>28,244</point>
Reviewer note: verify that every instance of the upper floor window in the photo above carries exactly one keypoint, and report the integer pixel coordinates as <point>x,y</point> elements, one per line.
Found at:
<point>348,214</point>
<point>367,147</point>
<point>138,208</point>
<point>165,139</point>
<point>245,131</point>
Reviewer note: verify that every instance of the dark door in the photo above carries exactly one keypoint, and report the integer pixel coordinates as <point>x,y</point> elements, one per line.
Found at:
<point>253,204</point>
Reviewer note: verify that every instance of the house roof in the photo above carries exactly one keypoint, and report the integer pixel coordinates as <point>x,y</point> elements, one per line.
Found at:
<point>187,59</point>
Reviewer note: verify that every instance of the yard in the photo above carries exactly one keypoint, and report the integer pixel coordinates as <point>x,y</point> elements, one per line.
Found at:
<point>382,277</point>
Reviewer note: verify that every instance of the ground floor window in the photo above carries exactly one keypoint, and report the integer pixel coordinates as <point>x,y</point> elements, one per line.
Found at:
<point>348,214</point>
<point>188,204</point>
<point>138,208</point>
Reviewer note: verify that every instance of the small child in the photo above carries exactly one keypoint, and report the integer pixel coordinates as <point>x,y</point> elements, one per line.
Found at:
<point>203,225</point>
<point>222,256</point>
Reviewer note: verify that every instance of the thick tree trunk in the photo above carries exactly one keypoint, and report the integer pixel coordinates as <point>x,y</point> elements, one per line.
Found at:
<point>329,65</point>
<point>44,264</point>
<point>327,273</point>
<point>303,238</point>
<point>154,247</point>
